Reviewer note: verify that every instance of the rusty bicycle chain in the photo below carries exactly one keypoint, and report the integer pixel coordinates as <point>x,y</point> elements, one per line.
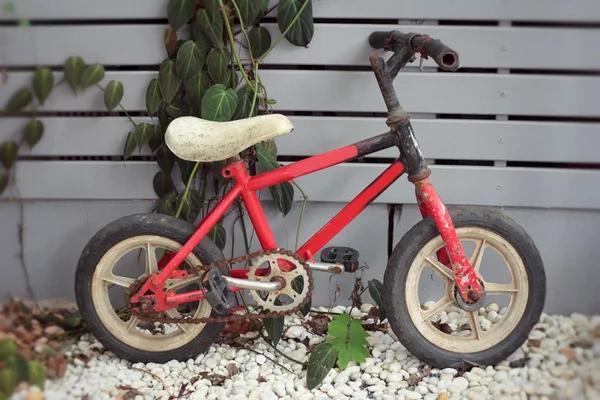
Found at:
<point>157,317</point>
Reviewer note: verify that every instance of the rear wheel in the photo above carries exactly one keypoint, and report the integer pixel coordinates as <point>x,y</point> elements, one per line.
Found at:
<point>114,258</point>
<point>439,332</point>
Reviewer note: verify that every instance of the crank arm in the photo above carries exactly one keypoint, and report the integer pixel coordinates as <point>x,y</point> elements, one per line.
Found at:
<point>332,268</point>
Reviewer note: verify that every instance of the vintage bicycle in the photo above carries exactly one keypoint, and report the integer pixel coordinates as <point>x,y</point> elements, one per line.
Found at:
<point>279,281</point>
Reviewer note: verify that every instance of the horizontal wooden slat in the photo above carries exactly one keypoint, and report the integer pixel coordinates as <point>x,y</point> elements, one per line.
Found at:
<point>359,92</point>
<point>517,10</point>
<point>439,139</point>
<point>520,187</point>
<point>333,44</point>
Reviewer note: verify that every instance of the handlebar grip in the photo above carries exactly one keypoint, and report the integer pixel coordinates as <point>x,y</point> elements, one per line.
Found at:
<point>377,39</point>
<point>443,55</point>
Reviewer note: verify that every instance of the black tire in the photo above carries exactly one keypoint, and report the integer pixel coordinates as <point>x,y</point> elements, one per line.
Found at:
<point>113,233</point>
<point>402,258</point>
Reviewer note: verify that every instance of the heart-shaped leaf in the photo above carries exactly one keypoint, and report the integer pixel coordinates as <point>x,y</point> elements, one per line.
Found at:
<point>298,287</point>
<point>263,5</point>
<point>168,80</point>
<point>8,381</point>
<point>3,182</point>
<point>18,363</point>
<point>218,235</point>
<point>249,10</point>
<point>37,373</point>
<point>19,100</point>
<point>129,146</point>
<point>158,137</point>
<point>191,205</point>
<point>179,108</point>
<point>195,89</point>
<point>212,6</point>
<point>185,168</point>
<point>34,130</point>
<point>232,80</point>
<point>217,63</point>
<point>282,193</point>
<point>166,205</point>
<point>163,118</point>
<point>165,158</point>
<point>190,59</point>
<point>376,292</point>
<point>43,83</point>
<point>211,27</point>
<point>274,328</point>
<point>113,94</point>
<point>245,98</point>
<point>321,361</point>
<point>162,183</point>
<point>142,134</point>
<point>8,153</point>
<point>153,96</point>
<point>179,12</point>
<point>92,75</point>
<point>170,39</point>
<point>260,41</point>
<point>73,69</point>
<point>219,103</point>
<point>301,33</point>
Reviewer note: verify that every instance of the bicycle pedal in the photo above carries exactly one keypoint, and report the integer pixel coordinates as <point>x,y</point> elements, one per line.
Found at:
<point>217,292</point>
<point>347,256</point>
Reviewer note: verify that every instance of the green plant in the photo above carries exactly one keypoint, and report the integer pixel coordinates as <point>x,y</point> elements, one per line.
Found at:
<point>18,369</point>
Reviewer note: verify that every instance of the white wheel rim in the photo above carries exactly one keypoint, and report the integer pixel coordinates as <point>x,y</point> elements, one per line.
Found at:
<point>479,340</point>
<point>126,332</point>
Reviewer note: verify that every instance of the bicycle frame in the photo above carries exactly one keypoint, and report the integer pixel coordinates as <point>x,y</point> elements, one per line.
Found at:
<point>411,160</point>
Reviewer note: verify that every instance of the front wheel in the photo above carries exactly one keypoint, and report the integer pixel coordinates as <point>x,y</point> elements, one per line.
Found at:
<point>437,331</point>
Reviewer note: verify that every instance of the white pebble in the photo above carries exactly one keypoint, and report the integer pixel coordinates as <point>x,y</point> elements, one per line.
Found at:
<point>460,384</point>
<point>260,359</point>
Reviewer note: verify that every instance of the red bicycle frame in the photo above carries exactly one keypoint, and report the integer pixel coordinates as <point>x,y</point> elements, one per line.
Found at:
<point>400,135</point>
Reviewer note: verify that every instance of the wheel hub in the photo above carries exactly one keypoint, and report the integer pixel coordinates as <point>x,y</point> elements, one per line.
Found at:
<point>473,306</point>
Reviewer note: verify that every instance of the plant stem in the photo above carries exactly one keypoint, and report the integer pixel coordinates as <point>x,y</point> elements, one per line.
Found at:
<point>280,38</point>
<point>304,202</point>
<point>232,43</point>
<point>120,105</point>
<point>269,358</point>
<point>279,351</point>
<point>187,189</point>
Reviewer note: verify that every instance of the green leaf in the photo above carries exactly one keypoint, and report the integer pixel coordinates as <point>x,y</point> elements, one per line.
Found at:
<point>179,108</point>
<point>245,97</point>
<point>185,168</point>
<point>165,158</point>
<point>34,130</point>
<point>142,134</point>
<point>157,138</point>
<point>195,89</point>
<point>376,292</point>
<point>218,235</point>
<point>179,12</point>
<point>190,60</point>
<point>113,94</point>
<point>249,11</point>
<point>37,373</point>
<point>321,361</point>
<point>8,347</point>
<point>260,41</point>
<point>8,153</point>
<point>153,96</point>
<point>191,206</point>
<point>168,80</point>
<point>282,193</point>
<point>73,70</point>
<point>218,103</point>
<point>170,39</point>
<point>19,365</point>
<point>19,100</point>
<point>298,287</point>
<point>263,5</point>
<point>92,75</point>
<point>217,63</point>
<point>43,83</point>
<point>232,79</point>
<point>3,185</point>
<point>164,119</point>
<point>211,27</point>
<point>162,183</point>
<point>129,145</point>
<point>349,338</point>
<point>274,328</point>
<point>8,381</point>
<point>301,33</point>
<point>166,205</point>
<point>212,6</point>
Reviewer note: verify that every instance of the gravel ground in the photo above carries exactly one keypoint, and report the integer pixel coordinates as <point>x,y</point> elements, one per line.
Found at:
<point>561,360</point>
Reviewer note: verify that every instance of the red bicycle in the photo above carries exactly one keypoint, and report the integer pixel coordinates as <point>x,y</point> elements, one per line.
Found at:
<point>280,281</point>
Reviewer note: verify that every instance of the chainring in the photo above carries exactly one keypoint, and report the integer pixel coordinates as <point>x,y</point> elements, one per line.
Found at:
<point>154,316</point>
<point>286,279</point>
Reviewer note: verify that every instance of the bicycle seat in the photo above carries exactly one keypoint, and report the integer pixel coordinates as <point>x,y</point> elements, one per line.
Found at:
<point>201,140</point>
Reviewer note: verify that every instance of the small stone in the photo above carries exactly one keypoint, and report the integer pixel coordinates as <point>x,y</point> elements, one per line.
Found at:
<point>366,307</point>
<point>568,353</point>
<point>210,363</point>
<point>492,307</point>
<point>503,310</point>
<point>409,394</point>
<point>394,377</point>
<point>460,384</point>
<point>442,396</point>
<point>450,371</point>
<point>260,359</point>
<point>296,331</point>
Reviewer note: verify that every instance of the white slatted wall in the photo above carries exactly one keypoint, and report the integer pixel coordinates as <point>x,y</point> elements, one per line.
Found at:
<point>517,126</point>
